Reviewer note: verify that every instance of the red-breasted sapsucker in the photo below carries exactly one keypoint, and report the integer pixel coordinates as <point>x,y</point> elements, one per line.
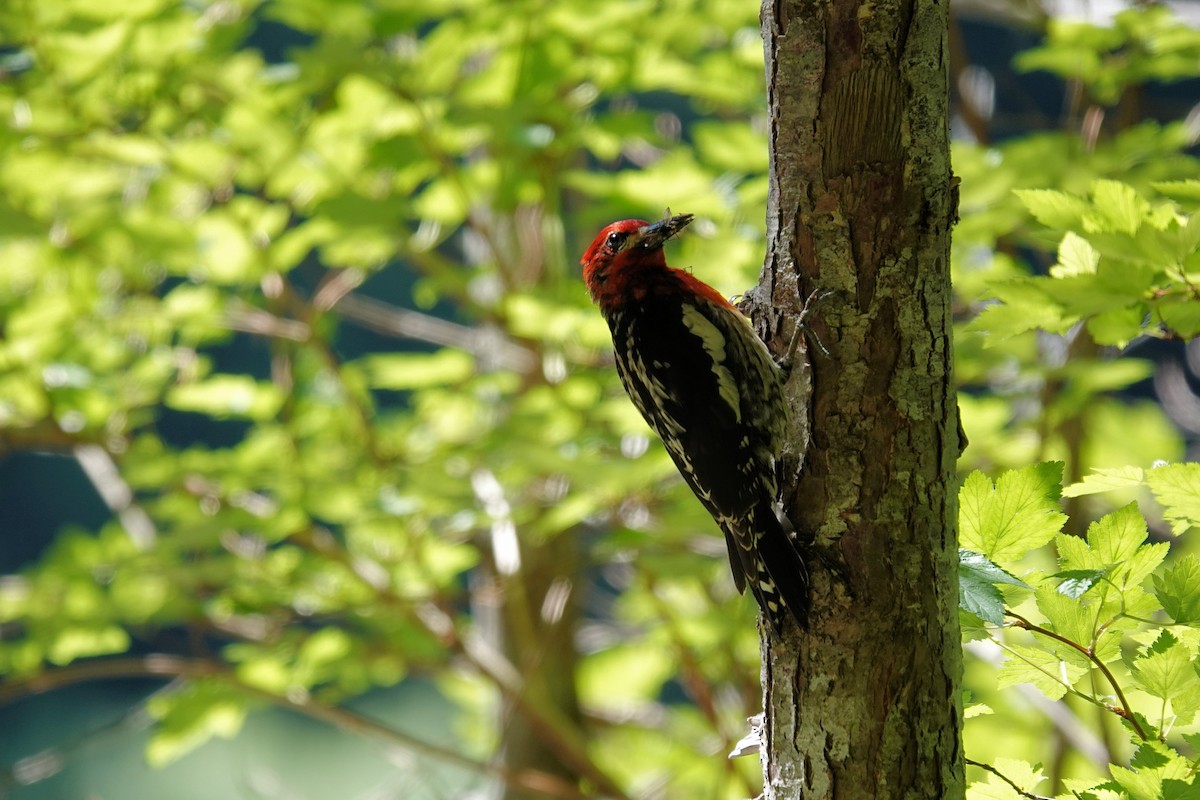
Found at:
<point>709,388</point>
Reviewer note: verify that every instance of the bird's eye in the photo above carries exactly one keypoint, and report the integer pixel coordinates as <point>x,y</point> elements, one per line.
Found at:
<point>613,242</point>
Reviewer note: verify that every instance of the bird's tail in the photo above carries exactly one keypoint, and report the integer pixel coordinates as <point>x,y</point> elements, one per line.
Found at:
<point>771,566</point>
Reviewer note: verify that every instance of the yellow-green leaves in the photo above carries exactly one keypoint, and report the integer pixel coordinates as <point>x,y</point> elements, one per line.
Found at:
<point>188,716</point>
<point>1018,513</point>
<point>1175,486</point>
<point>1178,589</point>
<point>1067,617</point>
<point>1126,267</point>
<point>401,371</point>
<point>227,396</point>
<point>1138,45</point>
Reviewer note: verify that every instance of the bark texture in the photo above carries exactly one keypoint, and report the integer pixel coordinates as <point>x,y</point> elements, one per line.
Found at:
<point>866,703</point>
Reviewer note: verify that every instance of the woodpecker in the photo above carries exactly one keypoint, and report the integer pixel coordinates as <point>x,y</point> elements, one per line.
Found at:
<point>706,384</point>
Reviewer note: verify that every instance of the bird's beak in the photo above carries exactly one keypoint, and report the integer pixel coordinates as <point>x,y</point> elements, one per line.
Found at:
<point>655,235</point>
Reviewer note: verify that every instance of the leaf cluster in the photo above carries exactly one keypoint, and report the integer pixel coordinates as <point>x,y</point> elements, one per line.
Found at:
<point>1140,45</point>
<point>1104,618</point>
<point>1125,267</point>
<point>315,314</point>
<point>1077,574</point>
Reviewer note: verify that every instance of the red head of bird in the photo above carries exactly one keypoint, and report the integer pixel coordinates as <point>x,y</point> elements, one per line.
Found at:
<point>625,263</point>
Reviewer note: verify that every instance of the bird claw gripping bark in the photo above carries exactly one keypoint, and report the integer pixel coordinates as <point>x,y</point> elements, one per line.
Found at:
<point>707,385</point>
<point>803,331</point>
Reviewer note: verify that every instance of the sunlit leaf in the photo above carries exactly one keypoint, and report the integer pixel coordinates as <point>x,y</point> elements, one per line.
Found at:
<point>227,396</point>
<point>1177,487</point>
<point>1019,512</point>
<point>400,371</point>
<point>190,716</point>
<point>1041,668</point>
<point>1178,589</point>
<point>1104,480</point>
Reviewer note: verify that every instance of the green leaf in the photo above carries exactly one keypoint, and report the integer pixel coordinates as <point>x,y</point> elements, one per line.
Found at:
<point>1179,190</point>
<point>1177,487</point>
<point>1154,763</point>
<point>1149,756</point>
<point>190,716</point>
<point>1181,316</point>
<point>1105,480</point>
<point>977,592</point>
<point>267,671</point>
<point>1176,789</point>
<point>1075,257</point>
<point>78,57</point>
<point>1043,669</point>
<point>978,565</point>
<point>1115,547</point>
<point>643,668</point>
<point>1115,537</point>
<point>1116,327</point>
<point>1121,208</point>
<point>1076,582</point>
<point>1068,618</point>
<point>1143,563</point>
<point>1178,589</point>
<point>1165,669</point>
<point>731,146</point>
<point>1141,785</point>
<point>78,640</point>
<point>1017,514</point>
<point>227,396</point>
<point>1052,208</point>
<point>226,251</point>
<point>405,371</point>
<point>326,645</point>
<point>1023,307</point>
<point>1025,775</point>
<point>976,710</point>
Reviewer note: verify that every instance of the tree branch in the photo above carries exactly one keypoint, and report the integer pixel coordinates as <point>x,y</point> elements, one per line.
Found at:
<point>561,734</point>
<point>170,667</point>
<point>491,347</point>
<point>1005,778</point>
<point>1123,711</point>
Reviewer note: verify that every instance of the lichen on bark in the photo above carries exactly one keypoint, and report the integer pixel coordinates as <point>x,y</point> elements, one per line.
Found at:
<point>866,703</point>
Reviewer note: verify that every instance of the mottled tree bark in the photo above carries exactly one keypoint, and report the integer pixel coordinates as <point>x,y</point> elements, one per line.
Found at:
<point>866,703</point>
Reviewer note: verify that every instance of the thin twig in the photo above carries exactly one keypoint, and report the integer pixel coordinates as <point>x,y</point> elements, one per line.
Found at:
<point>1006,779</point>
<point>561,734</point>
<point>100,468</point>
<point>1124,711</point>
<point>245,318</point>
<point>1064,719</point>
<point>492,347</point>
<point>170,666</point>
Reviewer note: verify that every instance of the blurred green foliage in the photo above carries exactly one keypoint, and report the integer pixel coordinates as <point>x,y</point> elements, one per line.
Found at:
<point>1075,249</point>
<point>1141,45</point>
<point>172,198</point>
<point>196,234</point>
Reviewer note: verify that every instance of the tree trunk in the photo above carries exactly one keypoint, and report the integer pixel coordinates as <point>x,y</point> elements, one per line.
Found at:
<point>866,703</point>
<point>530,615</point>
